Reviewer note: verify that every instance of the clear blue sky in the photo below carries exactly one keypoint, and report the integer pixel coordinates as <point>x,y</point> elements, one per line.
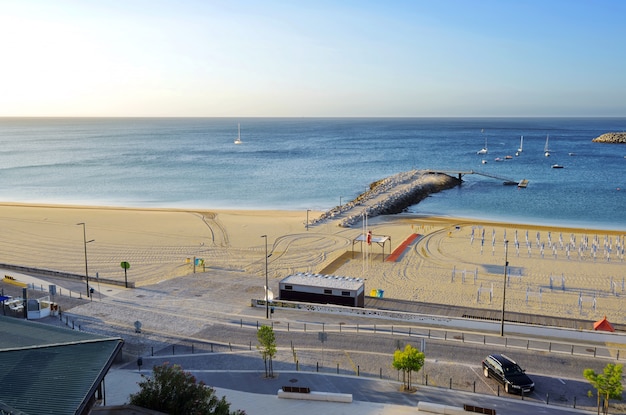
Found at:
<point>231,58</point>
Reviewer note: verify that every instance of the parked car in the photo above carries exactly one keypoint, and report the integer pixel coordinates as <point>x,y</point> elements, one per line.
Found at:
<point>508,372</point>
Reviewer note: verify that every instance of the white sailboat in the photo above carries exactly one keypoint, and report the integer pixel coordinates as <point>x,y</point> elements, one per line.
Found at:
<point>484,149</point>
<point>521,145</point>
<point>546,148</point>
<point>238,139</point>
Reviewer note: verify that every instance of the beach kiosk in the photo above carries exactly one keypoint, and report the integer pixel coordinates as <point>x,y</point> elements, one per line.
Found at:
<point>323,289</point>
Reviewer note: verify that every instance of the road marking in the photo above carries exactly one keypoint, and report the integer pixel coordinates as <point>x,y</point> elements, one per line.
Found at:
<point>561,380</point>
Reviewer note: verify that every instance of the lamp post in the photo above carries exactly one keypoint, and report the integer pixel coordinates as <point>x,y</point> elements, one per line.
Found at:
<point>267,307</point>
<point>506,265</point>
<point>307,219</point>
<point>85,242</point>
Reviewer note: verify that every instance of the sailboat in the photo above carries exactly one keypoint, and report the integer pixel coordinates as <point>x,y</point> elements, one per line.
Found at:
<point>484,149</point>
<point>521,145</point>
<point>546,148</point>
<point>238,139</point>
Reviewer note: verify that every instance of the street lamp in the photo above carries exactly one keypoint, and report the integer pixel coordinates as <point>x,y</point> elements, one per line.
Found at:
<point>307,219</point>
<point>506,265</point>
<point>267,306</point>
<point>85,242</point>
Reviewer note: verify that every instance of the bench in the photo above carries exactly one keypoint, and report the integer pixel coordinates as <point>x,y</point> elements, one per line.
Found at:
<point>296,389</point>
<point>479,410</point>
<point>295,392</point>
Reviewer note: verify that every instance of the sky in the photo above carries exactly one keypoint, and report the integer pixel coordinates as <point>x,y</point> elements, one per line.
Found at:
<point>317,58</point>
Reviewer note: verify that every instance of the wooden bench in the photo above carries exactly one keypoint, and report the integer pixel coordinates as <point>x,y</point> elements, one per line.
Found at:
<point>296,389</point>
<point>479,410</point>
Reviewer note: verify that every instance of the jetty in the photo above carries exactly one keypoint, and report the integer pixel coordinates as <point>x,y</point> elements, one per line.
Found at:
<point>461,173</point>
<point>396,193</point>
<point>388,196</point>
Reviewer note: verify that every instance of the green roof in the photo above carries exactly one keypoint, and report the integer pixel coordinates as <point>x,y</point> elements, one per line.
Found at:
<point>46,369</point>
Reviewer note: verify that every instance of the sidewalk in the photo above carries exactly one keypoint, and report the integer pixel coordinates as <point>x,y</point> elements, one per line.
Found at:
<point>120,383</point>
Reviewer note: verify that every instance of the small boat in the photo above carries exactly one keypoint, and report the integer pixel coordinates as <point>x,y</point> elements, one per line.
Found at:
<point>498,159</point>
<point>557,166</point>
<point>521,145</point>
<point>238,139</point>
<point>484,149</point>
<point>546,148</point>
<point>571,154</point>
<point>483,161</point>
<point>508,157</point>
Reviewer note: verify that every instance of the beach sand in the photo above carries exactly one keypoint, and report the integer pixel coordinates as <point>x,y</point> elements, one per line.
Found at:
<point>565,272</point>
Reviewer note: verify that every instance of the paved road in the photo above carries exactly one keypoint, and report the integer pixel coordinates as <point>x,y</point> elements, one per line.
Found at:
<point>366,353</point>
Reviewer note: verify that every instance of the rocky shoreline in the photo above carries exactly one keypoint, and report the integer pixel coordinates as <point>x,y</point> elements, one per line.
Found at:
<point>612,138</point>
<point>389,196</point>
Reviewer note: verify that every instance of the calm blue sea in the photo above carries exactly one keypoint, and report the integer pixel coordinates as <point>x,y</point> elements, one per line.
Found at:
<point>310,163</point>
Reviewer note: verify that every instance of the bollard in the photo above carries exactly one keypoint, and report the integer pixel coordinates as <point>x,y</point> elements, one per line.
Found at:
<point>317,366</point>
<point>230,346</point>
<point>381,372</point>
<point>287,326</point>
<point>574,402</point>
<point>173,350</point>
<point>304,326</point>
<point>498,390</point>
<point>547,399</point>
<point>358,370</point>
<point>250,346</point>
<point>337,368</point>
<point>152,351</point>
<point>297,366</point>
<point>426,380</point>
<point>474,386</point>
<point>450,383</point>
<point>240,322</point>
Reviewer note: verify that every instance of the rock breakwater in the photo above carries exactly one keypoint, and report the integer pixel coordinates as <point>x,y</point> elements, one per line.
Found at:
<point>613,138</point>
<point>391,195</point>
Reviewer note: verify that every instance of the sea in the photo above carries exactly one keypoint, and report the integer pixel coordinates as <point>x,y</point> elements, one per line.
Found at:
<point>319,163</point>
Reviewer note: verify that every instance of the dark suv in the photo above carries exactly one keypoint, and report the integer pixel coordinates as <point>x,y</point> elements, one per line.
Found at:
<point>507,372</point>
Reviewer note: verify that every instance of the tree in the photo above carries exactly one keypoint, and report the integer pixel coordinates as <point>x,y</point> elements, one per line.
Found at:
<point>408,360</point>
<point>608,384</point>
<point>267,346</point>
<point>174,391</point>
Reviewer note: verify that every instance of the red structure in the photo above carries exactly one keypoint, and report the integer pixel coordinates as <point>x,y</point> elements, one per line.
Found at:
<point>603,325</point>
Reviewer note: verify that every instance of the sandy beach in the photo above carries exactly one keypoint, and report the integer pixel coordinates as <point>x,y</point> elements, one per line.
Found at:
<point>552,271</point>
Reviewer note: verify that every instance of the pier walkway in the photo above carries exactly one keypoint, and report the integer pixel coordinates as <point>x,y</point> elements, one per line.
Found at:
<point>461,173</point>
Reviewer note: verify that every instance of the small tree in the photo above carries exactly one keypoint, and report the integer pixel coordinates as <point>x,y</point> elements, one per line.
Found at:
<point>608,384</point>
<point>173,391</point>
<point>267,346</point>
<point>408,360</point>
